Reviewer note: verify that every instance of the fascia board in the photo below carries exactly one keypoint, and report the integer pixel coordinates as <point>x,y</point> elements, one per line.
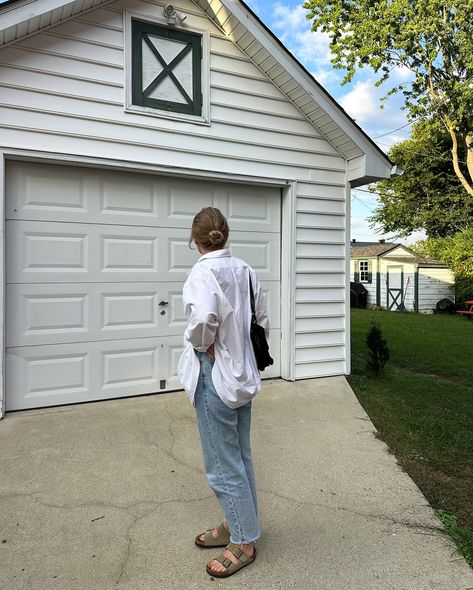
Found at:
<point>304,80</point>
<point>24,12</point>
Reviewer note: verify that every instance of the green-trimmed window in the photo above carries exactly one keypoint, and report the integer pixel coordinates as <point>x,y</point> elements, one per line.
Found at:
<point>166,69</point>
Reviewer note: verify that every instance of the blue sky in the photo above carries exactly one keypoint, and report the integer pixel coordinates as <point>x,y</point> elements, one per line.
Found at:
<point>360,98</point>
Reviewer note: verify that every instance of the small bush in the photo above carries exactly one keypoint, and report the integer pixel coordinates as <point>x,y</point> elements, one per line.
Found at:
<point>378,346</point>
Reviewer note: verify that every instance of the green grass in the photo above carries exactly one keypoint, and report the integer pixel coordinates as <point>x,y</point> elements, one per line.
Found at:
<point>422,407</point>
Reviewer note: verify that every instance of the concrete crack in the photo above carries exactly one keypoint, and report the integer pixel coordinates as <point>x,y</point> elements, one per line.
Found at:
<point>406,523</point>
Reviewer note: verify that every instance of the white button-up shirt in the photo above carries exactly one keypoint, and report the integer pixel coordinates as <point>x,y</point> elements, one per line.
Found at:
<point>217,305</point>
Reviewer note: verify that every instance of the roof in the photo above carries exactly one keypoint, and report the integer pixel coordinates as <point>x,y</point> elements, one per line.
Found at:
<point>376,249</point>
<point>235,19</point>
<point>370,249</point>
<point>420,260</point>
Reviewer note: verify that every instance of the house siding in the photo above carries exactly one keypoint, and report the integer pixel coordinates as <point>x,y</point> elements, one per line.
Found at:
<point>63,92</point>
<point>434,284</point>
<point>320,332</point>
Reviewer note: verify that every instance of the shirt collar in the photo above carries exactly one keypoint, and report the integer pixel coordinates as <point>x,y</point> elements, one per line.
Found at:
<point>223,253</point>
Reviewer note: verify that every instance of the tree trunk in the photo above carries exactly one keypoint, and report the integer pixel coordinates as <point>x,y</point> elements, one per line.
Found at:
<point>456,164</point>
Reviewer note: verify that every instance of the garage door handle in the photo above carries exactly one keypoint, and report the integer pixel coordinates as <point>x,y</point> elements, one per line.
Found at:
<point>163,303</point>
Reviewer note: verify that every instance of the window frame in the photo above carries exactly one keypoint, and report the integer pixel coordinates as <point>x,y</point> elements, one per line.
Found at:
<point>145,109</point>
<point>364,270</point>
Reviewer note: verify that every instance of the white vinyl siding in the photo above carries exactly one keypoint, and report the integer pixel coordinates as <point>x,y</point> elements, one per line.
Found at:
<point>320,280</point>
<point>434,284</point>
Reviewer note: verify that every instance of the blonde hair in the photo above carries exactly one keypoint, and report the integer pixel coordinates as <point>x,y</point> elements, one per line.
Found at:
<point>209,229</point>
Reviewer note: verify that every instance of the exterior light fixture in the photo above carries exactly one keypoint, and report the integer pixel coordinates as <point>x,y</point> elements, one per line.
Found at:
<point>172,15</point>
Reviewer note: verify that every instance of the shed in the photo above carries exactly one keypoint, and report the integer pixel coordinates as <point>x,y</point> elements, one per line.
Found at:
<point>394,274</point>
<point>119,121</point>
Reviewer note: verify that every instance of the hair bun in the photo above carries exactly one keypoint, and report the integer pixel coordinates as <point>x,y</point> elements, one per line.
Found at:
<point>216,236</point>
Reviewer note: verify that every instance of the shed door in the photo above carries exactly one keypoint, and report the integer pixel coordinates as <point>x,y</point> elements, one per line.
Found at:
<point>395,284</point>
<point>96,261</point>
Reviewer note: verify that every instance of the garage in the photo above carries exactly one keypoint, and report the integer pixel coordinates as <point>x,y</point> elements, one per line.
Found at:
<point>117,126</point>
<point>95,263</point>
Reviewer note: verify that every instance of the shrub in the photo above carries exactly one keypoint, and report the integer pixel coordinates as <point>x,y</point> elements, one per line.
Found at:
<point>378,346</point>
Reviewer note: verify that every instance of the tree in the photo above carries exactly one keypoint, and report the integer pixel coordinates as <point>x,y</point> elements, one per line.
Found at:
<point>433,39</point>
<point>378,347</point>
<point>428,195</point>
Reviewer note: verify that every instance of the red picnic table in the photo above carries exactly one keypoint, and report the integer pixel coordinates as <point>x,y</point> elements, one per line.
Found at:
<point>468,311</point>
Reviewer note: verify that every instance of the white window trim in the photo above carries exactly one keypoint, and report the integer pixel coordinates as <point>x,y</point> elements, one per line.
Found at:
<point>128,15</point>
<point>367,270</point>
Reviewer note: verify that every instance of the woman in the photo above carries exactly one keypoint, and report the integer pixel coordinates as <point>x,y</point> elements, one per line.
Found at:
<point>218,370</point>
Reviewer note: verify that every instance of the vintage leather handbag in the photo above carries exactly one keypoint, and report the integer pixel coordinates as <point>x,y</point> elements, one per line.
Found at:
<point>258,338</point>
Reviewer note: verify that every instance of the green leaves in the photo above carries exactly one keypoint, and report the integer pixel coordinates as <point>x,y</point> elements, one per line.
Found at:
<point>432,38</point>
<point>428,195</point>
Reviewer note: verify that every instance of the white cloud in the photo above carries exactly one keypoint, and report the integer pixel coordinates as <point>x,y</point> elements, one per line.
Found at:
<point>363,103</point>
<point>311,48</point>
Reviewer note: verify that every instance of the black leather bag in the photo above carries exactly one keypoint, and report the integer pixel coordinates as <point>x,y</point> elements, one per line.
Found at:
<point>258,338</point>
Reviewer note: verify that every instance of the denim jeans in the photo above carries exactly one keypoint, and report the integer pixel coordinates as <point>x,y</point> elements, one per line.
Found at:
<point>225,438</point>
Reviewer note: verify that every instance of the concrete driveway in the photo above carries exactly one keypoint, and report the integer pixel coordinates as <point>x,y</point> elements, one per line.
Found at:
<point>109,496</point>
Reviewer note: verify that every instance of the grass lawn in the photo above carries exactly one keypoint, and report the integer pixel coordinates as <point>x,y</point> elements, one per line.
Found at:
<point>422,406</point>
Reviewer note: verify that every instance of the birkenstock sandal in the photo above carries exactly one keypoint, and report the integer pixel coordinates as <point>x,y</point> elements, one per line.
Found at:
<point>232,568</point>
<point>221,540</point>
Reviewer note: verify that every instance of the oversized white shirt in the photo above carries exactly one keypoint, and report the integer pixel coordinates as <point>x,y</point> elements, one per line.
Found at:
<point>217,306</point>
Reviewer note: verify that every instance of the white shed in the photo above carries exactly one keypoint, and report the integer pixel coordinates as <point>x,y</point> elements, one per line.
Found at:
<point>394,274</point>
<point>119,122</point>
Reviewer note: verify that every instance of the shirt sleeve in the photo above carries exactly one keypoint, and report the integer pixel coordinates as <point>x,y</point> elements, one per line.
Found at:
<point>261,309</point>
<point>201,309</point>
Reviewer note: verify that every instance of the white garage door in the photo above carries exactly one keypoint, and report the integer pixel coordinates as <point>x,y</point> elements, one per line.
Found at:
<point>96,261</point>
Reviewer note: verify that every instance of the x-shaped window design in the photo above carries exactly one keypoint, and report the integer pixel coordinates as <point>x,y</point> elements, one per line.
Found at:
<point>167,69</point>
<point>162,89</point>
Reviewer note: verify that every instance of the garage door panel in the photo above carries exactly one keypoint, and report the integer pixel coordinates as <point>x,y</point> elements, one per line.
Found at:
<point>261,251</point>
<point>253,209</point>
<point>42,376</point>
<point>37,191</point>
<point>69,373</point>
<point>74,194</point>
<point>69,252</point>
<point>40,314</point>
<point>81,312</point>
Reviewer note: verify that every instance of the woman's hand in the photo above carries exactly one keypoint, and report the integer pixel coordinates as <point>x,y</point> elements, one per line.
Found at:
<point>211,352</point>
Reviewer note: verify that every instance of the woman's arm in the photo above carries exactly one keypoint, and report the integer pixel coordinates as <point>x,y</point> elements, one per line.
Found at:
<point>261,309</point>
<point>201,307</point>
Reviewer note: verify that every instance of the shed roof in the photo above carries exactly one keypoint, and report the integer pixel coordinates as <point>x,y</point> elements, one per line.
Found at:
<point>418,260</point>
<point>19,18</point>
<point>369,250</point>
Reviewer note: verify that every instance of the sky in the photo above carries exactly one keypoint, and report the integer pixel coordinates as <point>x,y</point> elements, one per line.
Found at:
<point>360,98</point>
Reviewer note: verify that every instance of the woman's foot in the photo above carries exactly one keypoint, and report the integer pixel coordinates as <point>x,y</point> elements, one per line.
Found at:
<point>215,532</point>
<point>215,567</point>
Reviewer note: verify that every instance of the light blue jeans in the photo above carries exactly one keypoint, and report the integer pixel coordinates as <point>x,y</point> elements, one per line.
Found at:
<point>225,439</point>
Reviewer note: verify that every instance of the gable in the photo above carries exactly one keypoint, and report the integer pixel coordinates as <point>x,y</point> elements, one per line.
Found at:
<point>68,82</point>
<point>308,99</point>
<point>400,251</point>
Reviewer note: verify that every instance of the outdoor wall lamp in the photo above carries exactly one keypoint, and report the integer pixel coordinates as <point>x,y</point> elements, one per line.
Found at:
<point>172,15</point>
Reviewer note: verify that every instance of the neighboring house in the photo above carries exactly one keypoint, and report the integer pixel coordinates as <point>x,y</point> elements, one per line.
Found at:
<point>394,274</point>
<point>118,123</point>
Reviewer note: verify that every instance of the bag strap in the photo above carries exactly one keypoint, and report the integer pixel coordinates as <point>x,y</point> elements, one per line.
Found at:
<point>252,302</point>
